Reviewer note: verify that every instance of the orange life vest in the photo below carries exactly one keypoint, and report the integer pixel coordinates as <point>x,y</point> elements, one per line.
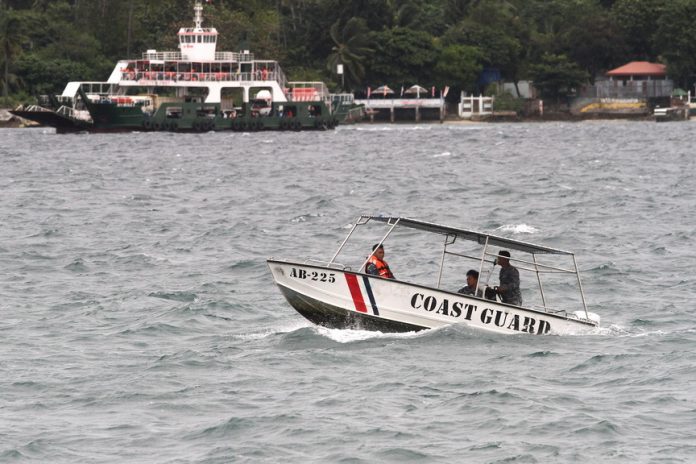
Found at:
<point>382,267</point>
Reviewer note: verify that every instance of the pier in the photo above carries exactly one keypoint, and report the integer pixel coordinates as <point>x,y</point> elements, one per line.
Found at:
<point>374,106</point>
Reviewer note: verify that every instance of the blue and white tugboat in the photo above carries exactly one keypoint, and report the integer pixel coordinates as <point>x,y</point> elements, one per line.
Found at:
<point>346,297</point>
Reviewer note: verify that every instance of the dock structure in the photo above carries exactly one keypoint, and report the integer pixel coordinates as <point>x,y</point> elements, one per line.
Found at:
<point>373,106</point>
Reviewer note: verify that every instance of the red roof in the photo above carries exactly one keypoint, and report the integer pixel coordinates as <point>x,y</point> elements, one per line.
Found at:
<point>639,68</point>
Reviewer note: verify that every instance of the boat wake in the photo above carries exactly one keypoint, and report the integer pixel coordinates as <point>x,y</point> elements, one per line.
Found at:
<point>350,336</point>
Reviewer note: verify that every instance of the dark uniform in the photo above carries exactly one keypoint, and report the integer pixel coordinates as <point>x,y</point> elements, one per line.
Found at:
<point>510,279</point>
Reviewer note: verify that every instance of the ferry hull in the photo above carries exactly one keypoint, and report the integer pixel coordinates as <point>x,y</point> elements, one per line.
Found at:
<point>343,299</point>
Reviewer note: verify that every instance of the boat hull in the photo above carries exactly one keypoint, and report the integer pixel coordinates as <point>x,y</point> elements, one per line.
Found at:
<point>53,119</point>
<point>343,299</point>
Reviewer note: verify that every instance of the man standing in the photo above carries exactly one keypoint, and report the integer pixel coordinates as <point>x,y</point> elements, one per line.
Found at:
<point>376,265</point>
<point>509,288</point>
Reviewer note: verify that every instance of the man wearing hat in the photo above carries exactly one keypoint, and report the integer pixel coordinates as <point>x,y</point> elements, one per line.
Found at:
<point>509,288</point>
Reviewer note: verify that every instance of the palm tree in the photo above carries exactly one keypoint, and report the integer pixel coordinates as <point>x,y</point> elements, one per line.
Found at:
<point>351,47</point>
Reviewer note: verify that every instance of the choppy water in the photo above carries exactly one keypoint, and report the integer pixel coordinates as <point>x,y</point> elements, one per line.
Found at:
<point>139,322</point>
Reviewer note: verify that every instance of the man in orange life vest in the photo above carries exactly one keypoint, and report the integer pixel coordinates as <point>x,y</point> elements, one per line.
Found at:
<point>376,265</point>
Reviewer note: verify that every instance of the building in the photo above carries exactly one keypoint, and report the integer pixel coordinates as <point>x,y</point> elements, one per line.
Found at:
<point>637,79</point>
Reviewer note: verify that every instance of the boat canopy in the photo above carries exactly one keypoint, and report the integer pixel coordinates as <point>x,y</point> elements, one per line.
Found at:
<point>479,237</point>
<point>486,241</point>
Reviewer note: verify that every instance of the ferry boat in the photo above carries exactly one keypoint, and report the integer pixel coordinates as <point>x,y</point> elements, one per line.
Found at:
<point>342,296</point>
<point>188,90</point>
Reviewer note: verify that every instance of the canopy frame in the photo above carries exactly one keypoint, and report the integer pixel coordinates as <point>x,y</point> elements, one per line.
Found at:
<point>451,234</point>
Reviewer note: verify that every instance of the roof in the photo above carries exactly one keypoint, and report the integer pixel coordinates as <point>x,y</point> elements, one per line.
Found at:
<point>639,68</point>
<point>471,235</point>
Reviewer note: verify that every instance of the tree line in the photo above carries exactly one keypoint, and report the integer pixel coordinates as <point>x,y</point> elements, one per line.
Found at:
<point>558,44</point>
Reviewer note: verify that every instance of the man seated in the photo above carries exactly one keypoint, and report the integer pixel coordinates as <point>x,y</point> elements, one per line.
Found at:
<point>471,283</point>
<point>376,265</point>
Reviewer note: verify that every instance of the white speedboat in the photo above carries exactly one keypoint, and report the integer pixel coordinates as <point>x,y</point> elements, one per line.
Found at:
<point>340,296</point>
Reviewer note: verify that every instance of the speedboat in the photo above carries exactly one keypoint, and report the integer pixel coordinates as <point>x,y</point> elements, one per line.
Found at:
<point>344,296</point>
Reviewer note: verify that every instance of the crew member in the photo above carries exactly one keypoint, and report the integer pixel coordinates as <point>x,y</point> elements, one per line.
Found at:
<point>509,288</point>
<point>376,265</point>
<point>471,284</point>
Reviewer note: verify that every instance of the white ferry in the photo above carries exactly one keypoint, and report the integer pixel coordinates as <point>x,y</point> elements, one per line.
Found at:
<point>192,89</point>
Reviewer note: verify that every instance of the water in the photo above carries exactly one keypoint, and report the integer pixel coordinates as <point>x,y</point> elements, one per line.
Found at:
<point>139,322</point>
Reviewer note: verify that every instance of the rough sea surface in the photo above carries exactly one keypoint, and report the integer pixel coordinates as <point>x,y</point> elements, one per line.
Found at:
<point>139,322</point>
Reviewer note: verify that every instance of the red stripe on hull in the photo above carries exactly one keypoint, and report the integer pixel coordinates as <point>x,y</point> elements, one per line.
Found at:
<point>355,292</point>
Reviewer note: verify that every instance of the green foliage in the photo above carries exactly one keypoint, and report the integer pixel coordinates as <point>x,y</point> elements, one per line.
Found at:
<point>557,43</point>
<point>13,27</point>
<point>402,55</point>
<point>459,66</point>
<point>507,102</point>
<point>676,35</point>
<point>351,49</point>
<point>637,21</point>
<point>555,75</point>
<point>49,76</point>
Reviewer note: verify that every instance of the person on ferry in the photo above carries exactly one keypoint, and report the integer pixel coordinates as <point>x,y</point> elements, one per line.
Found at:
<point>471,283</point>
<point>509,288</point>
<point>376,265</point>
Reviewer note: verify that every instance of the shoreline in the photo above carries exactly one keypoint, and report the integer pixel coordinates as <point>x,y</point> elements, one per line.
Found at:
<point>9,121</point>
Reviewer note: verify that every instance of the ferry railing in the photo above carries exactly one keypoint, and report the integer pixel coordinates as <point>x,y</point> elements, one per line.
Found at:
<point>98,88</point>
<point>168,77</point>
<point>177,56</point>
<point>34,108</point>
<point>308,91</point>
<point>72,113</point>
<point>343,97</point>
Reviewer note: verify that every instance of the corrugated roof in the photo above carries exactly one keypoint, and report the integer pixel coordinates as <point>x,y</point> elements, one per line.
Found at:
<point>639,68</point>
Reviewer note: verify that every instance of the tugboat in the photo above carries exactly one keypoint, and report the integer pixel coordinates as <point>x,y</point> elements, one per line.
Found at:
<point>188,90</point>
